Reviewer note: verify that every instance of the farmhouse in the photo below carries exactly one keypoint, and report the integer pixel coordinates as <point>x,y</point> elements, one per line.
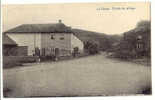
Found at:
<point>46,39</point>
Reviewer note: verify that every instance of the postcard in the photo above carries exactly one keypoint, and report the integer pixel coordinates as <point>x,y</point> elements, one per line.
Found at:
<point>76,49</point>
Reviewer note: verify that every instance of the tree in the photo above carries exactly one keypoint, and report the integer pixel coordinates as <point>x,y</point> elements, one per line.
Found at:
<point>91,47</point>
<point>128,44</point>
<point>144,25</point>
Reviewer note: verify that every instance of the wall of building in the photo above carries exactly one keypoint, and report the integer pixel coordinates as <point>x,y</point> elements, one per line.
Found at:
<point>15,50</point>
<point>22,50</point>
<point>31,40</point>
<point>9,50</point>
<point>75,42</point>
<point>56,40</point>
<point>47,42</point>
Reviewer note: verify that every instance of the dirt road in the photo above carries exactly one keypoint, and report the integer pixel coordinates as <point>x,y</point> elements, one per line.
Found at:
<point>94,75</point>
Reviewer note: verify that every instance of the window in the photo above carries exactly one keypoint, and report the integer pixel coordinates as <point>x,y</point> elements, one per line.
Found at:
<point>61,38</point>
<point>139,46</point>
<point>52,37</point>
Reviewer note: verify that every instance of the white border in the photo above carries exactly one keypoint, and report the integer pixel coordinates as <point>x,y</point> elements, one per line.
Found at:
<point>83,1</point>
<point>63,1</point>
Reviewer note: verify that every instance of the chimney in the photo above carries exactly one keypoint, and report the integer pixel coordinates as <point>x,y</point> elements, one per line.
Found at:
<point>60,21</point>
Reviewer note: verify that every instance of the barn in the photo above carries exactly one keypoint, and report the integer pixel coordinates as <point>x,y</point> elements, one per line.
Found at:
<point>46,39</point>
<point>8,45</point>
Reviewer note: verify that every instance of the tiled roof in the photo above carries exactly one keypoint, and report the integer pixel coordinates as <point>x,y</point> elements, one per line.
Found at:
<point>41,28</point>
<point>8,41</point>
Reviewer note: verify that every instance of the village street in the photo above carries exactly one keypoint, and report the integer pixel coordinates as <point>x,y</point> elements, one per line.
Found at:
<point>93,75</point>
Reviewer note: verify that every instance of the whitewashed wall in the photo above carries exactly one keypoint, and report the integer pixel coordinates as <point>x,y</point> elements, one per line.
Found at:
<point>56,42</point>
<point>31,40</point>
<point>76,42</point>
<point>49,43</point>
<point>44,40</point>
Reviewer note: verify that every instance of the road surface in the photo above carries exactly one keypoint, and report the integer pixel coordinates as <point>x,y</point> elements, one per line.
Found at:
<point>87,76</point>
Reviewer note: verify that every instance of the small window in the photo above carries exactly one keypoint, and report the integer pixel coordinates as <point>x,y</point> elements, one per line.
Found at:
<point>52,37</point>
<point>62,38</point>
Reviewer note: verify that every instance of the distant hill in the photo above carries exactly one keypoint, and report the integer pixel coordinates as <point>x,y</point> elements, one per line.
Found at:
<point>85,35</point>
<point>105,41</point>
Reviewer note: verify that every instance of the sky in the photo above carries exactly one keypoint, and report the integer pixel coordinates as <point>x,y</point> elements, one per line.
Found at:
<point>108,18</point>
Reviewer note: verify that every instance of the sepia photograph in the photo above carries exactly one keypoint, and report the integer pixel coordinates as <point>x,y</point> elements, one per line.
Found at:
<point>76,49</point>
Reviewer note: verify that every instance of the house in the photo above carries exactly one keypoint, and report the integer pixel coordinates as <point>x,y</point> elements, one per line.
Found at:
<point>138,41</point>
<point>46,39</point>
<point>8,45</point>
<point>11,48</point>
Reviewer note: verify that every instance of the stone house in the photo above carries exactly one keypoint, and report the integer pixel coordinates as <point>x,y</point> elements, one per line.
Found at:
<point>46,39</point>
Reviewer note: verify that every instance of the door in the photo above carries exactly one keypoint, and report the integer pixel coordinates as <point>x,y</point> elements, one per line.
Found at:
<point>57,52</point>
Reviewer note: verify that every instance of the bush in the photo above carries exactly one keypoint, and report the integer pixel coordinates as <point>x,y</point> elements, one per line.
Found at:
<point>91,47</point>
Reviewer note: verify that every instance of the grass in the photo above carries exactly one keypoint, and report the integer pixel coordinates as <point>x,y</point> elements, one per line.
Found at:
<point>14,61</point>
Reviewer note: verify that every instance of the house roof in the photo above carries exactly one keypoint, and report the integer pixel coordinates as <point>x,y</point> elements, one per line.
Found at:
<point>41,28</point>
<point>8,41</point>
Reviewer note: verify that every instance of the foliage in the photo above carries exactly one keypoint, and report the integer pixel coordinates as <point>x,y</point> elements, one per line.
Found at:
<point>91,47</point>
<point>103,40</point>
<point>128,44</point>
